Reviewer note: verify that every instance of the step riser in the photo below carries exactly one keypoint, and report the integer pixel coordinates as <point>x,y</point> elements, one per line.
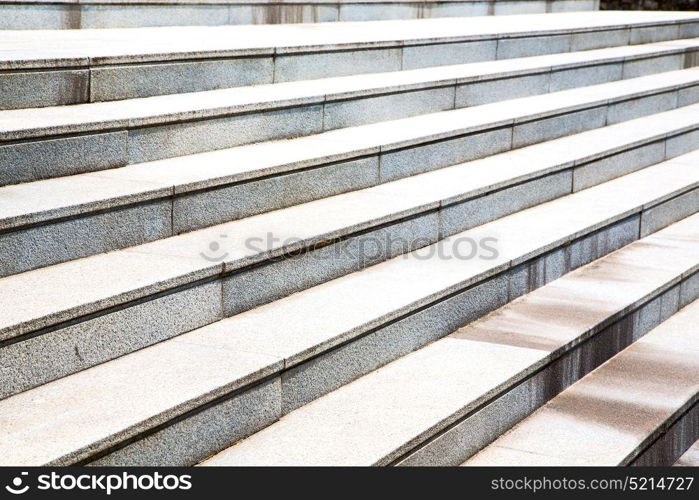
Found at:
<point>34,158</point>
<point>477,429</point>
<point>50,243</point>
<point>165,315</point>
<point>679,435</point>
<point>103,82</point>
<point>301,385</point>
<point>95,15</point>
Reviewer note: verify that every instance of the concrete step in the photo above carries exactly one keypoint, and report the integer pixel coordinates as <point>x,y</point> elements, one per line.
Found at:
<point>46,222</point>
<point>442,403</point>
<point>157,290</point>
<point>638,408</point>
<point>277,357</point>
<point>77,66</point>
<point>689,458</point>
<point>73,14</point>
<point>461,85</point>
<point>40,143</point>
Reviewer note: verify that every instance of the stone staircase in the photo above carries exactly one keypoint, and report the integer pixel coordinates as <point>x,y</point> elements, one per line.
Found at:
<point>72,14</point>
<point>406,242</point>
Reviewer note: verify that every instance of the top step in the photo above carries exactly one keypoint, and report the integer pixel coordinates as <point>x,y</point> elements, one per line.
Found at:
<point>74,14</point>
<point>90,65</point>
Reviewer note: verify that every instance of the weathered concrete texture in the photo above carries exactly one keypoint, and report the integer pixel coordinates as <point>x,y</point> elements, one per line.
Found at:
<point>28,161</point>
<point>39,16</point>
<point>38,360</point>
<point>677,208</point>
<point>195,438</point>
<point>166,141</point>
<point>143,80</point>
<point>48,244</point>
<point>47,88</point>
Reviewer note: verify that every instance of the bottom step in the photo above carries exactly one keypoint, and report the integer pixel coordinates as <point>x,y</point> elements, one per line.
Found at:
<point>638,408</point>
<point>444,402</point>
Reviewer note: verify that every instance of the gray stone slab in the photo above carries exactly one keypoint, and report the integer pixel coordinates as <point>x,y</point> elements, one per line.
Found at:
<point>198,436</point>
<point>424,56</point>
<point>477,430</point>
<point>600,243</point>
<point>641,67</point>
<point>167,141</point>
<point>413,160</point>
<point>681,144</point>
<point>509,48</point>
<point>338,367</point>
<point>688,96</point>
<point>672,443</point>
<point>689,290</point>
<point>206,208</point>
<point>650,34</point>
<point>599,39</point>
<point>611,167</point>
<point>59,353</point>
<point>134,16</point>
<point>581,77</point>
<point>666,213</point>
<point>272,281</point>
<point>689,30</point>
<point>47,244</point>
<point>643,106</point>
<point>43,88</point>
<point>295,67</point>
<point>110,83</point>
<point>348,113</point>
<point>462,216</point>
<point>378,11</point>
<point>526,134</point>
<point>30,161</point>
<point>476,93</point>
<point>37,16</point>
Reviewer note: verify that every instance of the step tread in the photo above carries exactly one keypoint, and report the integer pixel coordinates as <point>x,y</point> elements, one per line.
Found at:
<point>36,122</point>
<point>65,48</point>
<point>21,204</point>
<point>315,320</point>
<point>610,415</point>
<point>454,375</point>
